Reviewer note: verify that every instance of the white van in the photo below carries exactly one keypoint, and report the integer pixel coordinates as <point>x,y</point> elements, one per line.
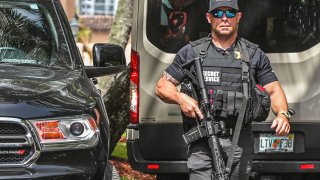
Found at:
<point>288,31</point>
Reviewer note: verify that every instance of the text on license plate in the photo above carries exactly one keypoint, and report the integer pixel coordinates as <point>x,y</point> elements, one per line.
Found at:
<point>272,143</point>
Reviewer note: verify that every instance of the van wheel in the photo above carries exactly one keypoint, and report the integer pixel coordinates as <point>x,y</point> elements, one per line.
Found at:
<point>172,176</point>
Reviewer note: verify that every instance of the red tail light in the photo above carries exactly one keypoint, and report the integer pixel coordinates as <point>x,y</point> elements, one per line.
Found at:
<point>134,87</point>
<point>153,166</point>
<point>307,166</point>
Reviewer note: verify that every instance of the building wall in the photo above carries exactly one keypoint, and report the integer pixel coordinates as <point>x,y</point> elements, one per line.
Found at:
<point>98,7</point>
<point>69,7</point>
<point>100,36</point>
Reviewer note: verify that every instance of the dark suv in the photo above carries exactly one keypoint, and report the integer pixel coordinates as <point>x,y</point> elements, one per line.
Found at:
<point>53,121</point>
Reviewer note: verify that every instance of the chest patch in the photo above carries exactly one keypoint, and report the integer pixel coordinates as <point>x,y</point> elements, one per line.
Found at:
<point>212,75</point>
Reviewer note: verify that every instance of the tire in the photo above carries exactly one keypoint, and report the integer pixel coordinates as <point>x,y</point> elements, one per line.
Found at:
<point>115,174</point>
<point>111,173</point>
<point>172,177</point>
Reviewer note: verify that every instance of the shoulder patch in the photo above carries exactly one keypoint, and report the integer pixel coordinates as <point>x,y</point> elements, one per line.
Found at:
<point>200,41</point>
<point>249,44</point>
<point>252,47</point>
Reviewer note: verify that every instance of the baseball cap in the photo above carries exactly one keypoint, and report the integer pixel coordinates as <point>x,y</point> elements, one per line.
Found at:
<point>221,3</point>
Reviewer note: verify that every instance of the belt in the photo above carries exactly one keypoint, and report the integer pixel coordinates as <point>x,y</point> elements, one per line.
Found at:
<point>204,141</point>
<point>228,132</point>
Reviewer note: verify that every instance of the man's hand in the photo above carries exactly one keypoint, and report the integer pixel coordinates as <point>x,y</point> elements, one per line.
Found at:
<point>281,124</point>
<point>189,106</point>
<point>166,90</point>
<point>278,104</point>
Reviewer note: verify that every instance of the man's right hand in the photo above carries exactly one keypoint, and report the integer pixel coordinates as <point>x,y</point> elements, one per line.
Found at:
<point>166,90</point>
<point>189,106</point>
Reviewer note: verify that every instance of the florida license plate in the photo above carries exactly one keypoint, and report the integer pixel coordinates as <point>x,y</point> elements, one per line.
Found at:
<point>271,143</point>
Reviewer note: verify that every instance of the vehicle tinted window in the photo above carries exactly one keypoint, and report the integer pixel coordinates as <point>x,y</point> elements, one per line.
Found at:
<point>276,25</point>
<point>30,34</point>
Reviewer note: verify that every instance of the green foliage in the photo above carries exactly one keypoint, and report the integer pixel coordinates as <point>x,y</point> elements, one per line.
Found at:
<point>120,151</point>
<point>19,31</point>
<point>84,35</point>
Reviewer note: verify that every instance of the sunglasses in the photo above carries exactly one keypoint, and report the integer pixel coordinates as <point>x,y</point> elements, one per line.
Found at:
<point>217,13</point>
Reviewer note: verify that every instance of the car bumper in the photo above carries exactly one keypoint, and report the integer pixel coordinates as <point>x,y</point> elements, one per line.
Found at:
<point>47,172</point>
<point>80,164</point>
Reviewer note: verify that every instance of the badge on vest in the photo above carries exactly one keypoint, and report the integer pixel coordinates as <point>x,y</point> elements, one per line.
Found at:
<point>237,55</point>
<point>212,75</point>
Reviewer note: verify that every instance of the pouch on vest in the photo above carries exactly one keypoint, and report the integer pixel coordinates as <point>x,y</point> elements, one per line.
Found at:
<point>259,100</point>
<point>260,105</point>
<point>220,103</point>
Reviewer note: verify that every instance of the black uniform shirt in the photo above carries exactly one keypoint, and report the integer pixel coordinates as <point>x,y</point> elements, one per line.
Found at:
<point>259,62</point>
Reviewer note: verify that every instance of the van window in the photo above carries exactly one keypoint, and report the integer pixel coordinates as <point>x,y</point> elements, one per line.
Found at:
<point>277,26</point>
<point>31,35</point>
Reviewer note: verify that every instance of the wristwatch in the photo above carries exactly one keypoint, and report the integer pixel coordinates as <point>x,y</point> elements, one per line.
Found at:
<point>286,114</point>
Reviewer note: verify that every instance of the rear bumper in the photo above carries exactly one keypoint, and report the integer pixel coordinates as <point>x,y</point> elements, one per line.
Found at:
<point>285,166</point>
<point>138,163</point>
<point>306,151</point>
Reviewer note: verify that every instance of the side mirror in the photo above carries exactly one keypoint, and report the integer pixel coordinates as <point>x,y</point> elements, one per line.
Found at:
<point>105,55</point>
<point>107,59</point>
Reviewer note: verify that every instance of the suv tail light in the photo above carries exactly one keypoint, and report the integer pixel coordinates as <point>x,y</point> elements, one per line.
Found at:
<point>134,87</point>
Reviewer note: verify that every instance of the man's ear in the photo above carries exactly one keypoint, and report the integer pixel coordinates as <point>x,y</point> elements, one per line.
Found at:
<point>208,15</point>
<point>239,16</point>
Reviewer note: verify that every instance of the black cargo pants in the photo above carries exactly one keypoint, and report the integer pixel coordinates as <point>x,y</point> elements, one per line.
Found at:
<point>200,162</point>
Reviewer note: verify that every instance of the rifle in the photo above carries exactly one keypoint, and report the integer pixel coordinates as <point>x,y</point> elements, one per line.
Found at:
<point>209,128</point>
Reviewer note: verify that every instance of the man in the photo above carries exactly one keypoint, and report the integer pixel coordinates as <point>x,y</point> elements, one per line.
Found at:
<point>224,17</point>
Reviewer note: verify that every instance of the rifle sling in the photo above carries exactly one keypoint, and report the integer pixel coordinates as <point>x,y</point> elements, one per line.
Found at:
<point>245,76</point>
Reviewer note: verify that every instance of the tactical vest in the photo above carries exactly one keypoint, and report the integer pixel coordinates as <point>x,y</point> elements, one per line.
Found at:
<point>223,82</point>
<point>223,77</point>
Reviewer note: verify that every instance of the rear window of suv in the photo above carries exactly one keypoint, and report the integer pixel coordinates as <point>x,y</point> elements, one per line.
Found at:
<point>30,34</point>
<point>277,26</point>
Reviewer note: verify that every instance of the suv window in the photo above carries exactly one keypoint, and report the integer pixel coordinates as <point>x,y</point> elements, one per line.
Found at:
<point>31,35</point>
<point>277,26</point>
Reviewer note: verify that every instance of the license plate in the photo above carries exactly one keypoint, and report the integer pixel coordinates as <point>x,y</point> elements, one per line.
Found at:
<point>271,143</point>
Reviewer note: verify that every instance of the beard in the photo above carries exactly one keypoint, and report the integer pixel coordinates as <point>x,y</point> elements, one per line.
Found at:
<point>223,35</point>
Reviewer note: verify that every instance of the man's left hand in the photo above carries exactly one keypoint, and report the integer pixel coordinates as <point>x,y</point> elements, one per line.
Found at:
<point>281,123</point>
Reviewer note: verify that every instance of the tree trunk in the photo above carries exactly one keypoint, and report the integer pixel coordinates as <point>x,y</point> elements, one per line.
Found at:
<point>117,96</point>
<point>117,104</point>
<point>121,27</point>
